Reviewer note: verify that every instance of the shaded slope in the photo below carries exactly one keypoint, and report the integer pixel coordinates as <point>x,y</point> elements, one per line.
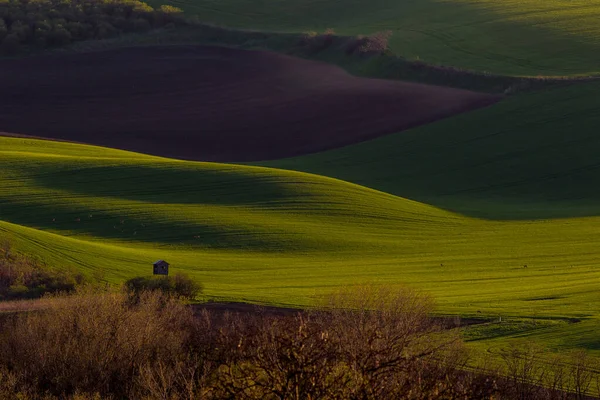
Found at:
<point>276,236</point>
<point>210,103</point>
<point>515,37</point>
<point>531,156</point>
<point>143,199</point>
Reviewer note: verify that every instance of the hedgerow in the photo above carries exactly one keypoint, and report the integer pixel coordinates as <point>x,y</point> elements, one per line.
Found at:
<point>180,285</point>
<point>26,24</point>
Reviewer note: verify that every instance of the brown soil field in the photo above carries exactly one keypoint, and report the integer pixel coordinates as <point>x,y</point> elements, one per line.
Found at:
<point>211,103</point>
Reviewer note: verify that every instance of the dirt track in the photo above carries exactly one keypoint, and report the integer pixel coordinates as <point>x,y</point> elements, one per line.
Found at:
<point>246,309</point>
<point>210,103</point>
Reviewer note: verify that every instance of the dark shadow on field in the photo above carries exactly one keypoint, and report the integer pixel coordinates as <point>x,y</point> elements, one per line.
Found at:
<point>170,183</point>
<point>532,156</point>
<point>158,189</point>
<point>102,222</point>
<point>590,345</point>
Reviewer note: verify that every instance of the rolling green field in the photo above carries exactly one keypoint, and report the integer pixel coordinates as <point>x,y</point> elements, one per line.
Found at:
<point>529,161</point>
<point>470,202</point>
<point>495,213</point>
<point>515,37</point>
<point>530,157</point>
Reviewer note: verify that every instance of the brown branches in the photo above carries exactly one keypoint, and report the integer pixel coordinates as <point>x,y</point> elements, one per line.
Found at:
<point>365,343</point>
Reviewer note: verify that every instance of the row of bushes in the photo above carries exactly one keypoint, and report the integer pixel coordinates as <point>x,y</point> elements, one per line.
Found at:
<point>22,277</point>
<point>375,44</point>
<point>368,344</point>
<point>391,66</point>
<point>46,23</point>
<point>180,285</point>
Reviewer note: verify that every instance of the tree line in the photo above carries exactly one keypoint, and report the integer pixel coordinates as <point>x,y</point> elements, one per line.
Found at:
<point>38,24</point>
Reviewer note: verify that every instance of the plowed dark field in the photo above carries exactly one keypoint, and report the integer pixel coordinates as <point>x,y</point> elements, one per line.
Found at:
<point>211,103</point>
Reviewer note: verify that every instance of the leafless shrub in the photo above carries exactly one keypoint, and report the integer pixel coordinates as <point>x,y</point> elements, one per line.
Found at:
<point>93,342</point>
<point>389,343</point>
<point>364,343</point>
<point>9,384</point>
<point>179,285</point>
<point>315,42</point>
<point>556,382</point>
<point>377,43</point>
<point>581,373</point>
<point>184,378</point>
<point>530,373</point>
<point>526,373</point>
<point>286,357</point>
<point>367,343</point>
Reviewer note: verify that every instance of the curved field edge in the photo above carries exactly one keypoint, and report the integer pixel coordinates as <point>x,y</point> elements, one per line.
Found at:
<point>278,237</point>
<point>293,105</point>
<point>384,65</point>
<point>504,37</point>
<point>531,156</point>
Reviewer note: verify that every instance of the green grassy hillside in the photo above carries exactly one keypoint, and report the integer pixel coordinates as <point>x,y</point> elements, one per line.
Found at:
<point>533,156</point>
<point>517,37</point>
<point>267,235</point>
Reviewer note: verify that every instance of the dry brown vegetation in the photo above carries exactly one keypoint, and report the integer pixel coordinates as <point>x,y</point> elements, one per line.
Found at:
<point>375,44</point>
<point>179,285</point>
<point>23,277</point>
<point>102,344</point>
<point>367,343</point>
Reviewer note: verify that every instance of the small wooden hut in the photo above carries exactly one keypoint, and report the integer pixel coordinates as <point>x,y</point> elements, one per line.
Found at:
<point>161,267</point>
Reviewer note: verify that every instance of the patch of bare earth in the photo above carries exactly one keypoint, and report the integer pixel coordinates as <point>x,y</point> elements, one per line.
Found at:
<point>212,103</point>
<point>247,309</point>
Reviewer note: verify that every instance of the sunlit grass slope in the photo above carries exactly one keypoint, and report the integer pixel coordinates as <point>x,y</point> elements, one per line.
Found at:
<point>522,37</point>
<point>533,156</point>
<point>252,233</point>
